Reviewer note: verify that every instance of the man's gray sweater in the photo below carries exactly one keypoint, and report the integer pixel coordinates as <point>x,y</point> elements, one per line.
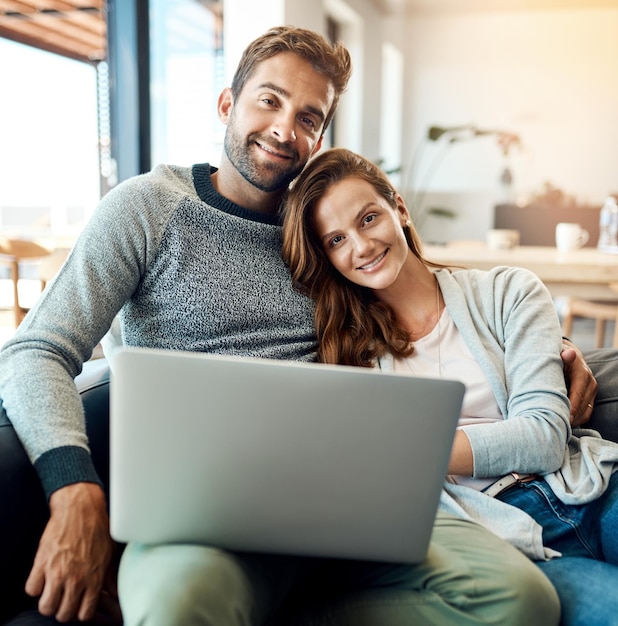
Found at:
<point>185,269</point>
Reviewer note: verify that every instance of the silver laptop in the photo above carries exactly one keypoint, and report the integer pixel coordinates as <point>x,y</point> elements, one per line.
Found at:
<point>279,457</point>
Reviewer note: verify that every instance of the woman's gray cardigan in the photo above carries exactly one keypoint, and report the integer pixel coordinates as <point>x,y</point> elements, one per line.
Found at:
<point>508,321</point>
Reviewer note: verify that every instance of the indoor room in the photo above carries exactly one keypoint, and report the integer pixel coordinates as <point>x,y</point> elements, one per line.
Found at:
<point>308,312</point>
<point>486,115</point>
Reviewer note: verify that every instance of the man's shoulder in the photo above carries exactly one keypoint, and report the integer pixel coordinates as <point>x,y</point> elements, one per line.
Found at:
<point>167,179</point>
<point>162,187</point>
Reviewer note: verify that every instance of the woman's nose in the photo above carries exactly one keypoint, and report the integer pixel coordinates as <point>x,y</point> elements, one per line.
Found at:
<point>362,244</point>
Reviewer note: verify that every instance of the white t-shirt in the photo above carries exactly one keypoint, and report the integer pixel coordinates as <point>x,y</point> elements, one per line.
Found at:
<point>443,354</point>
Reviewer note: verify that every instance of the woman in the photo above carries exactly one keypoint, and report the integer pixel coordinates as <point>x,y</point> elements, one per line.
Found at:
<point>516,467</point>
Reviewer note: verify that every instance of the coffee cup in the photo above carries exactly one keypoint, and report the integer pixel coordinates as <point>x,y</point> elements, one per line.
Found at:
<point>502,238</point>
<point>570,236</point>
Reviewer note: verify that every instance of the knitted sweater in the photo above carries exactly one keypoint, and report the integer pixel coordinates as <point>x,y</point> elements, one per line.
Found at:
<point>508,321</point>
<point>185,268</point>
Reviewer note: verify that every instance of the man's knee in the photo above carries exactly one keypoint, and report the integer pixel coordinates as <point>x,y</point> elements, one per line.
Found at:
<point>491,582</point>
<point>181,584</point>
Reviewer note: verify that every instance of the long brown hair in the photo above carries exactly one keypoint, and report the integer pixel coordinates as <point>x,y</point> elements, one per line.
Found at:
<point>332,61</point>
<point>353,327</point>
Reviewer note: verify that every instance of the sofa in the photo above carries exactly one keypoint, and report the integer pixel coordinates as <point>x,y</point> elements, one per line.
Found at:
<point>23,509</point>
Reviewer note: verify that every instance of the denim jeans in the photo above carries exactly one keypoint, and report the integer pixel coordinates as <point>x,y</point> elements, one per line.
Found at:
<point>586,576</point>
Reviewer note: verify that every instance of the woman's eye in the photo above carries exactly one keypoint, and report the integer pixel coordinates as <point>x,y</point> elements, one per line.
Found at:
<point>336,240</point>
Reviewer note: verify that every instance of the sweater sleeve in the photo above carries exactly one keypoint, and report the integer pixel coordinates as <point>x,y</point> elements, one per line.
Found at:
<point>508,319</point>
<point>39,364</point>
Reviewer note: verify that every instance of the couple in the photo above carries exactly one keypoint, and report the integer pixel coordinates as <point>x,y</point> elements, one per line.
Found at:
<point>190,259</point>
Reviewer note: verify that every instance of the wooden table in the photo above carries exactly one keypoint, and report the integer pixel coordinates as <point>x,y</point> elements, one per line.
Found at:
<point>14,252</point>
<point>585,273</point>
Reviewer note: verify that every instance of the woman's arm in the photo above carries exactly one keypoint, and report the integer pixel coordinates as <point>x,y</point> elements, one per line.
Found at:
<point>461,462</point>
<point>513,331</point>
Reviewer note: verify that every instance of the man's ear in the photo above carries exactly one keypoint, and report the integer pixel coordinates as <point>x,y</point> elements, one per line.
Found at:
<point>317,146</point>
<point>225,104</point>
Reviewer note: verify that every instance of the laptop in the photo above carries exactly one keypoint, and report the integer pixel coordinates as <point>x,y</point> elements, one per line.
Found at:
<point>281,457</point>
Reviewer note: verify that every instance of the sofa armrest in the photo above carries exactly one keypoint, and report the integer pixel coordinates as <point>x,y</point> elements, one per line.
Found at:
<point>23,508</point>
<point>604,366</point>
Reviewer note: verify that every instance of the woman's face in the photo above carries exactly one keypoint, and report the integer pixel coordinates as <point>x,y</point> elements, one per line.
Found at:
<point>361,233</point>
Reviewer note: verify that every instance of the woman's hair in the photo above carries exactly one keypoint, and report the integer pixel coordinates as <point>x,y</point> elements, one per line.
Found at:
<point>353,327</point>
<point>332,61</point>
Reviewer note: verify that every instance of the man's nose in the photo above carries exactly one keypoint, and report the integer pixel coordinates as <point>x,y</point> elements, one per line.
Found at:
<point>284,128</point>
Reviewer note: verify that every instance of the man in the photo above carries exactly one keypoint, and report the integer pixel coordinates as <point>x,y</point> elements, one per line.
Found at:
<point>189,258</point>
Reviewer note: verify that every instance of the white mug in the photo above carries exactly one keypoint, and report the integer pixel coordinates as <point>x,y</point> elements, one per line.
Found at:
<point>570,236</point>
<point>502,238</point>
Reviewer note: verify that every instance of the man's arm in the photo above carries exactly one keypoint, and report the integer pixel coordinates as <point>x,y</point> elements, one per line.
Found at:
<point>74,554</point>
<point>581,383</point>
<point>37,368</point>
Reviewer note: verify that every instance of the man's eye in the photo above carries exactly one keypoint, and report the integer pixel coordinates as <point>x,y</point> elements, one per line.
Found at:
<point>307,121</point>
<point>369,218</point>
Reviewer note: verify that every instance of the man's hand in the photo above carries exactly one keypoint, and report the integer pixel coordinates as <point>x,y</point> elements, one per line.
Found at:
<point>580,382</point>
<point>73,555</point>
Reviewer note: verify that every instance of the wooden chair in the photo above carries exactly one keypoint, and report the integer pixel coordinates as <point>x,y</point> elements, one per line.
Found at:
<point>12,253</point>
<point>600,312</point>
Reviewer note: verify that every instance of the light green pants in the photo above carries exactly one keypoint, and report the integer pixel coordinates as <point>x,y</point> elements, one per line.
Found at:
<point>470,576</point>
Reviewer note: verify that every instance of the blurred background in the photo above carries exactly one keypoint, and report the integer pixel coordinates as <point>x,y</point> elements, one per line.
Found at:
<point>486,113</point>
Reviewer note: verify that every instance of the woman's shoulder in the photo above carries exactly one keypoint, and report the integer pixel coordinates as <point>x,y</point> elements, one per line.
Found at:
<point>502,283</point>
<point>501,274</point>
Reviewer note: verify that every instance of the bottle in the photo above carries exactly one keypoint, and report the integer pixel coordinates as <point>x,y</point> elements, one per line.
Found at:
<point>608,226</point>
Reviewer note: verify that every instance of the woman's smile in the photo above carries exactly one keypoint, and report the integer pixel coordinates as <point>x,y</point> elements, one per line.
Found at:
<point>373,264</point>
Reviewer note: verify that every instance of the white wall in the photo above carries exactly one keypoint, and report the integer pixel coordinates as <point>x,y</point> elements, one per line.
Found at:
<point>364,30</point>
<point>548,76</point>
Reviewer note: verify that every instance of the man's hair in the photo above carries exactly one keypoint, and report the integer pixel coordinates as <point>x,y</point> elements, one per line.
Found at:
<point>330,60</point>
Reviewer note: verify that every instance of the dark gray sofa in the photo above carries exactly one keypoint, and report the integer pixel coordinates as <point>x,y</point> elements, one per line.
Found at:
<point>23,510</point>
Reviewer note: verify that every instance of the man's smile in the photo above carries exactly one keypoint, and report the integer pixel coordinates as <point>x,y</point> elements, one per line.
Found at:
<point>274,152</point>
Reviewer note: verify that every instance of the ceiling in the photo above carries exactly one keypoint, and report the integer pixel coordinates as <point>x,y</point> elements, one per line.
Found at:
<point>77,28</point>
<point>429,7</point>
<point>72,28</point>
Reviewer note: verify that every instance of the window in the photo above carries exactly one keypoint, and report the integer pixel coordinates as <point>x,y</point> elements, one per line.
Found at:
<point>186,76</point>
<point>49,147</point>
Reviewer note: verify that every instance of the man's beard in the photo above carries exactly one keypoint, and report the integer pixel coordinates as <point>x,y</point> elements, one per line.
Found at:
<point>264,176</point>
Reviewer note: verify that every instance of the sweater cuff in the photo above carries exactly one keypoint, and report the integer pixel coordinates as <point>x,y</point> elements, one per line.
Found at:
<point>65,466</point>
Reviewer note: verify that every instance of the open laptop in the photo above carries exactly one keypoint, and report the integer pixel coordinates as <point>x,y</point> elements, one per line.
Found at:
<point>280,457</point>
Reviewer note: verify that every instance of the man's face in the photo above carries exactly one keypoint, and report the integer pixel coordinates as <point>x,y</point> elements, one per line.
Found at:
<point>276,123</point>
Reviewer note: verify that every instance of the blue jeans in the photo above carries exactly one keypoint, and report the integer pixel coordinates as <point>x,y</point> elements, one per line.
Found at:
<point>586,576</point>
